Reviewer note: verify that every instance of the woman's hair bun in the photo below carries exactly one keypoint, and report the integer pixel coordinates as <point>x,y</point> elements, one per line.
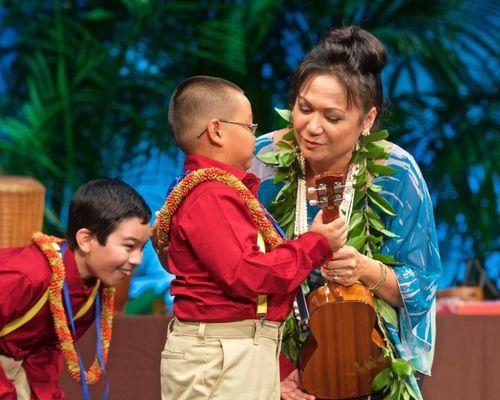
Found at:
<point>356,49</point>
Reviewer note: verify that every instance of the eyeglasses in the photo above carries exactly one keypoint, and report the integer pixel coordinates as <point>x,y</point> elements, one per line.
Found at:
<point>250,126</point>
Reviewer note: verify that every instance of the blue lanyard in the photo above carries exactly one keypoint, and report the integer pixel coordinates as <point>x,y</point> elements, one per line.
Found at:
<point>275,224</point>
<point>100,357</point>
<point>175,181</point>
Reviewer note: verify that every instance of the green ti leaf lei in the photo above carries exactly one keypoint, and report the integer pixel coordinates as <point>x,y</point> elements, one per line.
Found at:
<point>366,234</point>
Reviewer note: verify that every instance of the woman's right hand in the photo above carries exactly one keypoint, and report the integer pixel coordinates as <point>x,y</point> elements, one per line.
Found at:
<point>335,232</point>
<point>291,388</point>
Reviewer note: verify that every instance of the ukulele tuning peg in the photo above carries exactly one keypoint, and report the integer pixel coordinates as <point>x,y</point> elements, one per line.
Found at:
<point>338,189</point>
<point>321,203</point>
<point>320,190</point>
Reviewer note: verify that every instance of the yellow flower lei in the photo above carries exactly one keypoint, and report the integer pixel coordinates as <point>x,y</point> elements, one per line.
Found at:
<point>49,246</point>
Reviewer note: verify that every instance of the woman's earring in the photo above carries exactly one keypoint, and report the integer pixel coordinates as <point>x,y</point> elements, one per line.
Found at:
<point>357,145</point>
<point>365,132</point>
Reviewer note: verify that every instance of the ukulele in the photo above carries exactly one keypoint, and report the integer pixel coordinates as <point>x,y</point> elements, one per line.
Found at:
<point>342,354</point>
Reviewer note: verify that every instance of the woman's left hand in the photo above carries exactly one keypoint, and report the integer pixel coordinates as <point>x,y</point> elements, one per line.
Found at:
<point>291,388</point>
<point>348,266</point>
<point>344,267</point>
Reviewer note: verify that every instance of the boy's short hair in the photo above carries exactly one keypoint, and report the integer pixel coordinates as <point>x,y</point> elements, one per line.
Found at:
<point>100,205</point>
<point>196,98</point>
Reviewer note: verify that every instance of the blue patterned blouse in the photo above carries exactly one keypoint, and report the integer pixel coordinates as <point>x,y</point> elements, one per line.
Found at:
<point>416,247</point>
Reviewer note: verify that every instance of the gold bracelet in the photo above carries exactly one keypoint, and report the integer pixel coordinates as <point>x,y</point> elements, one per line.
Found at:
<point>380,282</point>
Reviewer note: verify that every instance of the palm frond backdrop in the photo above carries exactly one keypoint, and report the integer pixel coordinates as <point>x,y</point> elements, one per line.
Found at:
<point>84,86</point>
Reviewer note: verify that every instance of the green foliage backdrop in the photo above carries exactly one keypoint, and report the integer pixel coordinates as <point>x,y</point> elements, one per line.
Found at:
<point>87,84</point>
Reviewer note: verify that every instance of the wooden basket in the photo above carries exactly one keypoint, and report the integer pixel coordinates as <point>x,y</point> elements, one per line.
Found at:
<point>21,209</point>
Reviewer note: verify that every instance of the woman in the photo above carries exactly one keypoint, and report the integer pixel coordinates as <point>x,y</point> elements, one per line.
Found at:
<point>336,99</point>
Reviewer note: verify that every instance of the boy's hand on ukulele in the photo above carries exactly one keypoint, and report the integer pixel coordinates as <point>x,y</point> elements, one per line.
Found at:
<point>335,232</point>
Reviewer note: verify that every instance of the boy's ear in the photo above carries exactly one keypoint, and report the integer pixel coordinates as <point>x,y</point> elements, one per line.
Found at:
<point>83,239</point>
<point>213,133</point>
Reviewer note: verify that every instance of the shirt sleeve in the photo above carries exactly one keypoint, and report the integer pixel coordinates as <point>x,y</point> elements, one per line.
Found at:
<point>43,368</point>
<point>7,389</point>
<point>223,236</point>
<point>11,283</point>
<point>417,249</point>
<point>16,292</point>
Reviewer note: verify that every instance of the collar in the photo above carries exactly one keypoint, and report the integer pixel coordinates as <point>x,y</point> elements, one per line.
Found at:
<point>75,281</point>
<point>196,161</point>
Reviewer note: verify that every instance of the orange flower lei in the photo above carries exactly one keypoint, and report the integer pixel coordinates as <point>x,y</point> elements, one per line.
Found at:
<point>190,181</point>
<point>49,245</point>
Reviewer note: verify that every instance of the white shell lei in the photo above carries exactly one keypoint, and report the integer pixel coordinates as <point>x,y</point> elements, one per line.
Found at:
<point>301,202</point>
<point>348,196</point>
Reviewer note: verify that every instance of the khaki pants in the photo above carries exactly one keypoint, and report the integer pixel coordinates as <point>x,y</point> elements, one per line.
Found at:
<point>234,360</point>
<point>14,371</point>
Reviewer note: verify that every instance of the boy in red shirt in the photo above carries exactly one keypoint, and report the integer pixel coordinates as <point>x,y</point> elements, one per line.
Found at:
<point>107,228</point>
<point>235,276</point>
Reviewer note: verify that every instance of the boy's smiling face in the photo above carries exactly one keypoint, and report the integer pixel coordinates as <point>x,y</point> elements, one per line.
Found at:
<point>116,259</point>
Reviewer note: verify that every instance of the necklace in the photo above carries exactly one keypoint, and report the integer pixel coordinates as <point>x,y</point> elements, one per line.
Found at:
<point>300,225</point>
<point>191,180</point>
<point>50,246</point>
